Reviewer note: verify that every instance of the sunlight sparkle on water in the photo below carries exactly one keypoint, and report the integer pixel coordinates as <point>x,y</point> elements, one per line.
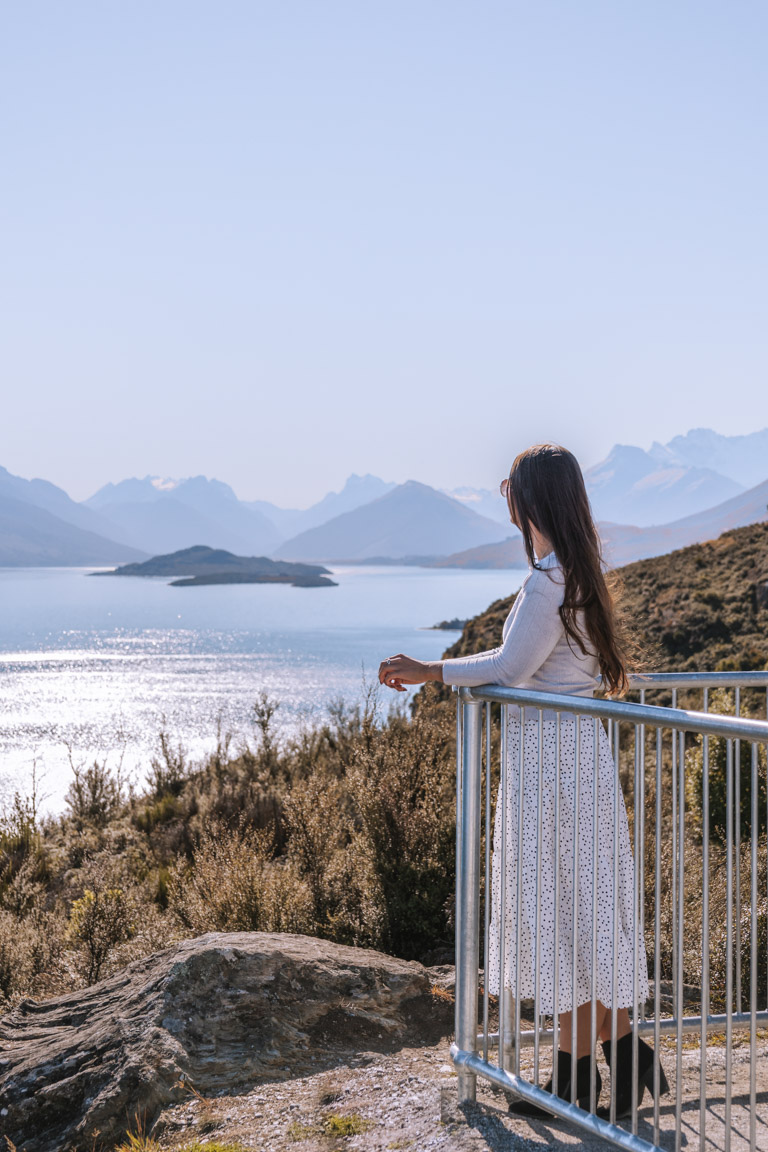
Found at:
<point>101,666</point>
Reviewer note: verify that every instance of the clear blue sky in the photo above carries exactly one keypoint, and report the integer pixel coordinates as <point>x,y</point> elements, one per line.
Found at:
<point>279,242</point>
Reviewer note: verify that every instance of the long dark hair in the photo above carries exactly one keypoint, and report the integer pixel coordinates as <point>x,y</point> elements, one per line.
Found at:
<point>546,489</point>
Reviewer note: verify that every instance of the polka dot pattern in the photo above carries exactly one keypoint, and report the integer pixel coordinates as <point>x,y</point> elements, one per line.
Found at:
<point>537,871</point>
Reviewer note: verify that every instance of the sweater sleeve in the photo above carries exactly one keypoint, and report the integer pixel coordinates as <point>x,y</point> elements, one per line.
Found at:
<point>534,632</point>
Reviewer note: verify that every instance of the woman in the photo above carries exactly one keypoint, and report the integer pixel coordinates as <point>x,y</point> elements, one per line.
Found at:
<point>559,636</point>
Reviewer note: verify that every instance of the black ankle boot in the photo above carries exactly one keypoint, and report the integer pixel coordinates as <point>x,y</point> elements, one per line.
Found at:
<point>564,1069</point>
<point>623,1085</point>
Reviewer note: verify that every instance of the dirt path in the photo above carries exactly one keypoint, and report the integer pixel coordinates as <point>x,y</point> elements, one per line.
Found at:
<point>406,1102</point>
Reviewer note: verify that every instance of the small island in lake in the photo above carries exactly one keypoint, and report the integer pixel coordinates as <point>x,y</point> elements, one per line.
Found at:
<point>454,625</point>
<point>202,565</point>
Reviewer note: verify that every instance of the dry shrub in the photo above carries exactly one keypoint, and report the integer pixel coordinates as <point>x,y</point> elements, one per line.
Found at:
<point>740,933</point>
<point>31,950</point>
<point>96,793</point>
<point>99,920</point>
<point>23,857</point>
<point>326,847</point>
<point>234,884</point>
<point>405,799</point>
<point>169,770</point>
<point>23,890</point>
<point>154,931</point>
<point>17,941</point>
<point>722,703</point>
<point>693,900</point>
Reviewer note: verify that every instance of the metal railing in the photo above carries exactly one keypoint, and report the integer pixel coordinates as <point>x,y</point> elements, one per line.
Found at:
<point>704,774</point>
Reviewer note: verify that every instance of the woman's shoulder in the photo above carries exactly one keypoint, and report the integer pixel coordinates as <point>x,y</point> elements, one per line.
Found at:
<point>547,577</point>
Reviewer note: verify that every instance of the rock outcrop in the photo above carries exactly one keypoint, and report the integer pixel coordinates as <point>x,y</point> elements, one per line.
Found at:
<point>220,1013</point>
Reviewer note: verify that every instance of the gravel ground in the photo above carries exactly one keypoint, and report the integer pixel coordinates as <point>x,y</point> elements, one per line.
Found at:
<point>406,1102</point>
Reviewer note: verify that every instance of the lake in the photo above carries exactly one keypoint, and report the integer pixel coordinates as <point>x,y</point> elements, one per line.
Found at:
<point>100,665</point>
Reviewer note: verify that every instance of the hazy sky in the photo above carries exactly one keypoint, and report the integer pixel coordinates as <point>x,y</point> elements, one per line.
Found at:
<point>279,242</point>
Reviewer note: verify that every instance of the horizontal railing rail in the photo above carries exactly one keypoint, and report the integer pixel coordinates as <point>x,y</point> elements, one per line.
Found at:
<point>681,720</point>
<point>672,754</point>
<point>698,680</point>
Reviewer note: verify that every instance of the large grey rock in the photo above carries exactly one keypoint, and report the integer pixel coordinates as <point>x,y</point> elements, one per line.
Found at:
<point>222,1012</point>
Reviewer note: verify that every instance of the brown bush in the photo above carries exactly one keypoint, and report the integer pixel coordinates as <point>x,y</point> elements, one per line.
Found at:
<point>403,788</point>
<point>233,883</point>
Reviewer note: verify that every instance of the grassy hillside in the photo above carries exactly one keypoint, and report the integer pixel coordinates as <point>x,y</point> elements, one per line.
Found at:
<point>702,608</point>
<point>705,607</point>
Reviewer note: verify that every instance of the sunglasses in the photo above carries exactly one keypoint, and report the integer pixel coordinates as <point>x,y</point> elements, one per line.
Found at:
<point>504,487</point>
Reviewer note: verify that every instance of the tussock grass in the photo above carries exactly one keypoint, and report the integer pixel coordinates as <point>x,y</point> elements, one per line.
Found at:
<point>213,1146</point>
<point>353,1125</point>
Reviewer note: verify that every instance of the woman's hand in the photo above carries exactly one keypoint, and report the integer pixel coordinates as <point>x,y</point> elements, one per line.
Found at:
<point>400,670</point>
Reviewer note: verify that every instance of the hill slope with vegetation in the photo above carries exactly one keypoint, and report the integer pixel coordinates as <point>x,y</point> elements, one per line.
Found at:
<point>702,608</point>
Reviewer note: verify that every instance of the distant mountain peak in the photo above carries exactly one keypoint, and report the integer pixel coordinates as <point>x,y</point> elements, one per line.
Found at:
<point>742,458</point>
<point>411,519</point>
<point>160,515</point>
<point>354,480</point>
<point>688,475</point>
<point>487,502</point>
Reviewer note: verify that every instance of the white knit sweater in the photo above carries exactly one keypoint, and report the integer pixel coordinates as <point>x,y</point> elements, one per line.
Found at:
<point>535,652</point>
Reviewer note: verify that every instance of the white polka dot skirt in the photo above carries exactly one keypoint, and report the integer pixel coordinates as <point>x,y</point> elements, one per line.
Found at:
<point>529,894</point>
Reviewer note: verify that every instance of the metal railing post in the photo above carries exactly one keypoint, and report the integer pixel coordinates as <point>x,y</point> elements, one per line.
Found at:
<point>468,891</point>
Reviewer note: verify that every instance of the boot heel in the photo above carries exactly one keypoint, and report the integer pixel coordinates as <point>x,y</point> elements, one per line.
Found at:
<point>647,1080</point>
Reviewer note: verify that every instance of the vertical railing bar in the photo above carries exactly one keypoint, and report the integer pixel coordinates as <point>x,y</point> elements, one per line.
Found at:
<point>614,1019</point>
<point>657,939</point>
<point>575,904</point>
<point>595,857</point>
<point>539,843</point>
<point>556,902</point>
<point>728,939</point>
<point>641,862</point>
<point>675,1005</point>
<point>503,867</point>
<point>753,963</point>
<point>520,829</point>
<point>704,942</point>
<point>460,706</point>
<point>468,897</point>
<point>680,938</point>
<point>737,844</point>
<point>488,884</point>
<point>635,932</point>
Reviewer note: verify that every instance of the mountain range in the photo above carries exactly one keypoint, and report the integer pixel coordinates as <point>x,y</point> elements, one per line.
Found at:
<point>413,520</point>
<point>625,543</point>
<point>357,491</point>
<point>647,502</point>
<point>163,516</point>
<point>667,482</point>
<point>633,487</point>
<point>41,526</point>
